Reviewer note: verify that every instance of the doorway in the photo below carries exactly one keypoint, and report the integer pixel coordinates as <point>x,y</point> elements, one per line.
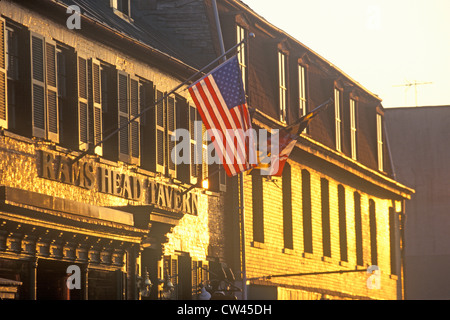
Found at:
<point>51,281</point>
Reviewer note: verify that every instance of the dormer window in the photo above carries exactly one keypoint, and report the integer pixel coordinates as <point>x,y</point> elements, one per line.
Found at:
<point>121,8</point>
<point>282,85</point>
<point>380,141</point>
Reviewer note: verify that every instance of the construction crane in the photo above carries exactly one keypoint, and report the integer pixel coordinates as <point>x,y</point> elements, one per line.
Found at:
<point>409,84</point>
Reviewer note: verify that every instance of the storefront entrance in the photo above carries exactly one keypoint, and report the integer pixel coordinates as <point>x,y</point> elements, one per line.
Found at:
<point>51,281</point>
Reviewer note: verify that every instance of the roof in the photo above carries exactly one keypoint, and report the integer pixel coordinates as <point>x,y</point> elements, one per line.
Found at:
<point>331,65</point>
<point>103,14</point>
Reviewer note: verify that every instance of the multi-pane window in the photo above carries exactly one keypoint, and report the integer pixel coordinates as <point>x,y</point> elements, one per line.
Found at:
<point>380,142</point>
<point>302,90</point>
<point>122,6</point>
<point>90,106</point>
<point>282,82</point>
<point>242,54</point>
<point>129,106</point>
<point>338,119</point>
<point>353,128</point>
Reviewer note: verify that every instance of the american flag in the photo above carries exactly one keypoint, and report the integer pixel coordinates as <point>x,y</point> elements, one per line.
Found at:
<point>221,103</point>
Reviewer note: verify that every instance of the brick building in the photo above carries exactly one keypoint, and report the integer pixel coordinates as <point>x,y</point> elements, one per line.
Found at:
<point>421,161</point>
<point>114,211</point>
<point>337,206</point>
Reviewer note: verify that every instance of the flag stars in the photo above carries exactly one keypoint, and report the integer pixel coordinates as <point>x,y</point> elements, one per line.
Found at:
<point>229,80</point>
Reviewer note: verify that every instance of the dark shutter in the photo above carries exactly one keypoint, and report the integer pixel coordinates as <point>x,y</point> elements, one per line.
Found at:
<point>38,85</point>
<point>83,118</point>
<point>160,132</point>
<point>174,272</point>
<point>52,92</point>
<point>3,80</point>
<point>195,172</point>
<point>97,105</point>
<point>171,127</point>
<point>135,138</point>
<point>204,165</point>
<point>123,102</point>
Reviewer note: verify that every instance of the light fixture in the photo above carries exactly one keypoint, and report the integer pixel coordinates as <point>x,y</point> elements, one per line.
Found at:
<point>205,184</point>
<point>144,285</point>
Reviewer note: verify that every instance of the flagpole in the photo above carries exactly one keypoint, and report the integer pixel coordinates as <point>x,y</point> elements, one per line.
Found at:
<point>190,79</point>
<point>241,175</point>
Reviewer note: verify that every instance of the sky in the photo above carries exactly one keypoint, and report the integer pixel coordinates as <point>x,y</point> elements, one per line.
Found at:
<point>382,44</point>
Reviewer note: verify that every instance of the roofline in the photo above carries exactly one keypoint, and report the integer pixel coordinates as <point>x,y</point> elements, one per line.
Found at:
<point>37,5</point>
<point>251,11</point>
<point>340,160</point>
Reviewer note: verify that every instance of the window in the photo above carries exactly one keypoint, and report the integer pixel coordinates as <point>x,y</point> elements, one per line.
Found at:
<point>337,119</point>
<point>242,54</point>
<point>373,233</point>
<point>287,207</point>
<point>12,69</point>
<point>393,240</point>
<point>302,89</point>
<point>380,142</point>
<point>325,201</point>
<point>258,207</point>
<point>342,223</point>
<point>282,81</point>
<point>129,107</point>
<point>3,77</point>
<point>90,110</point>
<point>44,91</point>
<point>307,213</point>
<point>353,128</point>
<point>171,127</point>
<point>122,6</point>
<point>358,229</point>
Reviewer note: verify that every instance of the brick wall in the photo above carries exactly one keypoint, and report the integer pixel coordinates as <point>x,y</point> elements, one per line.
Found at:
<point>270,258</point>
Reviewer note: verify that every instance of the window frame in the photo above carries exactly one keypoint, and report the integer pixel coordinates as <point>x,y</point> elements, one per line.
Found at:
<point>282,84</point>
<point>241,34</point>
<point>380,142</point>
<point>338,118</point>
<point>353,106</point>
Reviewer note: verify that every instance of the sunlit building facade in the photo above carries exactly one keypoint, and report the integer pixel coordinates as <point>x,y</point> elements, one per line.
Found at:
<point>337,210</point>
<point>89,192</point>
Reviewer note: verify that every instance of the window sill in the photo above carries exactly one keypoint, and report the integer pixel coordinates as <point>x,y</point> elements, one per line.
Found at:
<point>344,263</point>
<point>393,276</point>
<point>288,251</point>
<point>257,244</point>
<point>123,15</point>
<point>307,255</point>
<point>327,259</point>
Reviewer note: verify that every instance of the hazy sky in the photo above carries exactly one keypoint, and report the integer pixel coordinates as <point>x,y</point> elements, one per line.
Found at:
<point>379,43</point>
